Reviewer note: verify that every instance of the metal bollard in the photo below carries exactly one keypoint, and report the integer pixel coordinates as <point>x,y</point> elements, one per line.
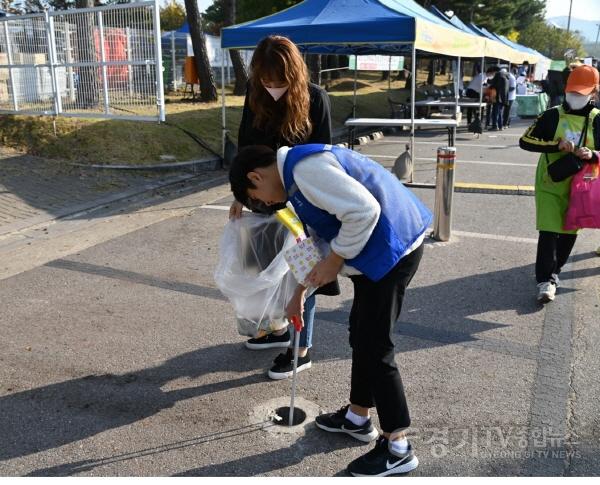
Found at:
<point>444,188</point>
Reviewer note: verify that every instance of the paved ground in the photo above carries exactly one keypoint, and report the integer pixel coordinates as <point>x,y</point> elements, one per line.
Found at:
<point>120,357</point>
<point>34,190</point>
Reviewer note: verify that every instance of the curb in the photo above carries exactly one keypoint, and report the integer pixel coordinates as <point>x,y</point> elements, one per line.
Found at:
<point>191,165</point>
<point>471,188</point>
<point>528,190</point>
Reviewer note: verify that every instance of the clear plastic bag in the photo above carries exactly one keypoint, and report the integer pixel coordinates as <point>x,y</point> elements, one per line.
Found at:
<point>253,273</point>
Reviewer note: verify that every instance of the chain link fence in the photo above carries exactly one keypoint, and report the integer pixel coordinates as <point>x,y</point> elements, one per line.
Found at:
<point>102,62</point>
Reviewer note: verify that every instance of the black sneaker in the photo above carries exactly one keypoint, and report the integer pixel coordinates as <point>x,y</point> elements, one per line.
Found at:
<point>337,423</point>
<point>269,341</point>
<point>381,461</point>
<point>284,365</point>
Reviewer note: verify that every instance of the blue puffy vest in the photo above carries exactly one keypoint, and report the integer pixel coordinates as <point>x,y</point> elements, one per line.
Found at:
<point>404,218</point>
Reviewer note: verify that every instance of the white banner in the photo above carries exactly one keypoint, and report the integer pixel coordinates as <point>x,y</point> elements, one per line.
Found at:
<point>377,63</point>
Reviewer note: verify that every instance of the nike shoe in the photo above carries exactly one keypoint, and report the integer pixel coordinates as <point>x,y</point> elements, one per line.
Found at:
<point>338,423</point>
<point>381,461</point>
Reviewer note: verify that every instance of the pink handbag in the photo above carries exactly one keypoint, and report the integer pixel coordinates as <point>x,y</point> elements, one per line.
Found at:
<point>584,203</point>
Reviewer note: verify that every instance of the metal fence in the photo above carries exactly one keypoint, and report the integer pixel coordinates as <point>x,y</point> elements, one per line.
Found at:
<point>102,62</point>
<point>177,46</point>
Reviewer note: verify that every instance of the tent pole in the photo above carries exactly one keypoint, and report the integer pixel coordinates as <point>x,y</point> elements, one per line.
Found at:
<point>354,98</point>
<point>389,76</point>
<point>223,125</point>
<point>413,90</point>
<point>482,70</point>
<point>457,88</point>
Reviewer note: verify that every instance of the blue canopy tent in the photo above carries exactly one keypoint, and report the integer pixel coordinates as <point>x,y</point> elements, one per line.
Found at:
<point>352,27</point>
<point>358,27</point>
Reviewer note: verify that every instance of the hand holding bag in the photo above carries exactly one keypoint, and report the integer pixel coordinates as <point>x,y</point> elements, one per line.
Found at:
<point>569,164</point>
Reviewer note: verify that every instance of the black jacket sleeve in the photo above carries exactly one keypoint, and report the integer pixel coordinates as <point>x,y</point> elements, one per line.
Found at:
<point>597,132</point>
<point>244,137</point>
<point>539,137</point>
<point>596,156</point>
<point>320,116</point>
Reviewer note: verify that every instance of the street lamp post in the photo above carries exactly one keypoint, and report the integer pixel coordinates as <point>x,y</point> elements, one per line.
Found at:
<point>569,21</point>
<point>597,34</point>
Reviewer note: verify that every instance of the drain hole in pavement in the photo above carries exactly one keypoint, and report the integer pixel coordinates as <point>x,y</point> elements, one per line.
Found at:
<point>284,414</point>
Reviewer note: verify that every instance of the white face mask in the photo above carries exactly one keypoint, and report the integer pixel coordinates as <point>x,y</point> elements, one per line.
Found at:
<point>276,93</point>
<point>577,101</point>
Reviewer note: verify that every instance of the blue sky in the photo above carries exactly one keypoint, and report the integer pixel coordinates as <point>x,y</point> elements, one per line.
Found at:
<point>582,9</point>
<point>204,4</point>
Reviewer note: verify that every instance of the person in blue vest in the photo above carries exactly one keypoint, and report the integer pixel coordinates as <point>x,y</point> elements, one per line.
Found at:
<point>375,228</point>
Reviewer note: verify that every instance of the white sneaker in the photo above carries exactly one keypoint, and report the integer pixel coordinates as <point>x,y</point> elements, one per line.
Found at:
<point>546,292</point>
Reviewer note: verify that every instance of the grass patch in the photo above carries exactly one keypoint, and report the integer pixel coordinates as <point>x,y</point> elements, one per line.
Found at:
<point>92,141</point>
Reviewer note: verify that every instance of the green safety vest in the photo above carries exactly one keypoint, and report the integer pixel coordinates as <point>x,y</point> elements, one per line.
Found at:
<point>552,198</point>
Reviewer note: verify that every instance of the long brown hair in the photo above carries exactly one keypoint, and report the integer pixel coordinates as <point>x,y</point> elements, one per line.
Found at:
<point>278,58</point>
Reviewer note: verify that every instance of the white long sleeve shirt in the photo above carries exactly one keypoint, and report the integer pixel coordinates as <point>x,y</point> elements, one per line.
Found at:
<point>326,185</point>
<point>512,87</point>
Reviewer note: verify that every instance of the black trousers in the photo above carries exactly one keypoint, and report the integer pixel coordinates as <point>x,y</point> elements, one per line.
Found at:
<point>553,251</point>
<point>506,114</point>
<point>472,94</point>
<point>375,379</point>
<point>488,113</point>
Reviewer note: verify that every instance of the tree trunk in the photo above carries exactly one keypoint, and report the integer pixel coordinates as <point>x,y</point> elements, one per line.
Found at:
<point>314,66</point>
<point>431,73</point>
<point>208,89</point>
<point>334,63</point>
<point>241,75</point>
<point>88,95</point>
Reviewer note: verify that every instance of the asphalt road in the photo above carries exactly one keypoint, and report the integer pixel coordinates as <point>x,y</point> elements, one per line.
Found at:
<point>120,357</point>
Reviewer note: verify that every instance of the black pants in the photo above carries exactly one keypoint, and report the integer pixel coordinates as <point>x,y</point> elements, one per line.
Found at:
<point>375,378</point>
<point>472,94</point>
<point>553,250</point>
<point>506,115</point>
<point>488,113</point>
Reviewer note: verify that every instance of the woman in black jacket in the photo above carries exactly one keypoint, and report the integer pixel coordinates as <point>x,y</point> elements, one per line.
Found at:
<point>283,108</point>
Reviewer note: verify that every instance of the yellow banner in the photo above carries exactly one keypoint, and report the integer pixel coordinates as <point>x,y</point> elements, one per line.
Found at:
<point>435,38</point>
<point>438,39</point>
<point>497,49</point>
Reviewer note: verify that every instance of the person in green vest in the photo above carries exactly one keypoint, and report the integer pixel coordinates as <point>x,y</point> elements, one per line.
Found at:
<point>573,126</point>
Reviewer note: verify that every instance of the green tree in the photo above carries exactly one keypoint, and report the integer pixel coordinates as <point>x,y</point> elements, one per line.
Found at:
<point>33,6</point>
<point>241,75</point>
<point>9,6</point>
<point>551,41</point>
<point>215,15</point>
<point>208,89</point>
<point>172,16</point>
<point>62,4</point>
<point>498,16</point>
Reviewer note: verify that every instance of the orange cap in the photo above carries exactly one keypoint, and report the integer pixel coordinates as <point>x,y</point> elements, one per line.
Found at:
<point>583,80</point>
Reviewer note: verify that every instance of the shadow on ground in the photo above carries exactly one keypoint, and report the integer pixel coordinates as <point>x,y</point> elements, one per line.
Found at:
<point>65,412</point>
